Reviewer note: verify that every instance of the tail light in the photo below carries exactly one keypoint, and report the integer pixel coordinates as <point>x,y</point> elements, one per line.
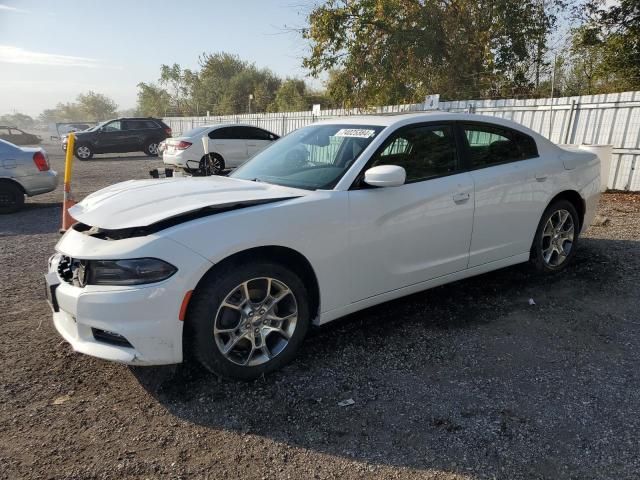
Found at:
<point>183,145</point>
<point>41,161</point>
<point>168,131</point>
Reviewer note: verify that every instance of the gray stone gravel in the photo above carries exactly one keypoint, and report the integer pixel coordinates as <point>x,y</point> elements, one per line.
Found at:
<point>465,381</point>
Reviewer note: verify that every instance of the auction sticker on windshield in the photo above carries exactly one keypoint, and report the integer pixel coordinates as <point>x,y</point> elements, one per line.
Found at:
<point>355,132</point>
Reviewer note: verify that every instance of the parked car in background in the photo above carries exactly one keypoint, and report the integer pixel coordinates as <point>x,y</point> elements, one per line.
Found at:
<point>23,171</point>
<point>120,136</point>
<point>331,219</point>
<point>18,137</point>
<point>229,146</point>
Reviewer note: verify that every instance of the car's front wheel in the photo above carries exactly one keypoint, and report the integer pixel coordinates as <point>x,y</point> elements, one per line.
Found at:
<point>248,320</point>
<point>556,237</point>
<point>83,152</point>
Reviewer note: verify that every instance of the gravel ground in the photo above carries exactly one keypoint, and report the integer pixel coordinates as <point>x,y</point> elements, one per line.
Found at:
<point>465,381</point>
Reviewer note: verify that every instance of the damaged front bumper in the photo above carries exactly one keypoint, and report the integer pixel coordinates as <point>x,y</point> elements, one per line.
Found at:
<point>138,325</point>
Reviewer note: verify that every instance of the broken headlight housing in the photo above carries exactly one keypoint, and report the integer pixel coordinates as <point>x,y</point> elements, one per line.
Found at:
<point>135,271</point>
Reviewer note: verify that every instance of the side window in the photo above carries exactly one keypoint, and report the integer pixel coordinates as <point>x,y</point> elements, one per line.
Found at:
<point>4,131</point>
<point>112,127</point>
<point>221,133</point>
<point>255,133</point>
<point>149,124</point>
<point>490,145</point>
<point>15,131</point>
<point>424,152</point>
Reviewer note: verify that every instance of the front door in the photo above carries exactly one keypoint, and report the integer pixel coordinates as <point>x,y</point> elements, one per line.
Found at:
<point>112,138</point>
<point>401,236</point>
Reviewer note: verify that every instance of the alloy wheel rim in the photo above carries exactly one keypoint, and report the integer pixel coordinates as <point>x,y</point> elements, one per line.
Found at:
<point>83,152</point>
<point>153,148</point>
<point>557,238</point>
<point>212,165</point>
<point>255,321</point>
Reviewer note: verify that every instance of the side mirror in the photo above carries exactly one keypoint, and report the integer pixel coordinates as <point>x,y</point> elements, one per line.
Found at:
<point>385,176</point>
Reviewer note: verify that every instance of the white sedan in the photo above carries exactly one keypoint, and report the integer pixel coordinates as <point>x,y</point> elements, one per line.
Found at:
<point>335,217</point>
<point>228,147</point>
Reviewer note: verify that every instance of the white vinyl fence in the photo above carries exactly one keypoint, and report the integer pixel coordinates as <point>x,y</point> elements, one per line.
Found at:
<point>592,119</point>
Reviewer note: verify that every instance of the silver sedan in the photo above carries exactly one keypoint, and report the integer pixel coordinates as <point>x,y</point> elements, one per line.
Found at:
<point>23,171</point>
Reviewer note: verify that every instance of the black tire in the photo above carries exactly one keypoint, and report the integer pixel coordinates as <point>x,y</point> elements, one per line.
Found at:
<point>206,303</point>
<point>11,197</point>
<point>543,241</point>
<point>213,164</point>
<point>83,151</point>
<point>151,148</point>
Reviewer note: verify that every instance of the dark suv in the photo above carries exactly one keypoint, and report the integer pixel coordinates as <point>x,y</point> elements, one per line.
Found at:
<point>119,136</point>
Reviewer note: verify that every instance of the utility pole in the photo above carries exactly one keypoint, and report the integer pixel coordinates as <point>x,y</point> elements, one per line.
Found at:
<point>250,98</point>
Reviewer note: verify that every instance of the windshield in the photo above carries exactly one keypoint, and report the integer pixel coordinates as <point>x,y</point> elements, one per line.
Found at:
<point>312,158</point>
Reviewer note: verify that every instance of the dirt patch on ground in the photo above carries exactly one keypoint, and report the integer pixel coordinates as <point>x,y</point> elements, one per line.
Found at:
<point>463,381</point>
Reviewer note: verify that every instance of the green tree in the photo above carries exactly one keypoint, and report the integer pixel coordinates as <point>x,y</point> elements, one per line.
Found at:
<point>153,101</point>
<point>396,51</point>
<point>290,97</point>
<point>180,83</point>
<point>216,73</point>
<point>96,106</point>
<point>614,27</point>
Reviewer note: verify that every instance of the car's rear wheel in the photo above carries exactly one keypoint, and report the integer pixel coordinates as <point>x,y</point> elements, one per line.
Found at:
<point>248,320</point>
<point>556,237</point>
<point>83,152</point>
<point>151,148</point>
<point>211,164</point>
<point>11,197</point>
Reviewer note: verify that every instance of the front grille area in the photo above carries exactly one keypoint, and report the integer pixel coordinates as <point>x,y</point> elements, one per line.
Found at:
<point>111,338</point>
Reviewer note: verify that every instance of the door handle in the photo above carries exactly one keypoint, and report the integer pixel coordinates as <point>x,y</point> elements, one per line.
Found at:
<point>461,197</point>
<point>541,177</point>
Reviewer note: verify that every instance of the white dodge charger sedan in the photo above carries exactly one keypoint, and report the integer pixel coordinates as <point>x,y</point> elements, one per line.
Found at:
<point>229,146</point>
<point>333,218</point>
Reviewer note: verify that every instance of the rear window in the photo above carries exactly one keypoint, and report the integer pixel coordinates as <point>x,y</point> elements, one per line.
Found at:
<point>493,145</point>
<point>140,124</point>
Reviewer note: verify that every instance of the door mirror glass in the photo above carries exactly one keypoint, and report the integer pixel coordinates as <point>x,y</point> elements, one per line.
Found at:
<point>385,176</point>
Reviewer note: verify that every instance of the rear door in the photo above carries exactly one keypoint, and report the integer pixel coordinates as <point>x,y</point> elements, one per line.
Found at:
<point>257,139</point>
<point>230,143</point>
<point>139,132</point>
<point>511,190</point>
<point>112,138</point>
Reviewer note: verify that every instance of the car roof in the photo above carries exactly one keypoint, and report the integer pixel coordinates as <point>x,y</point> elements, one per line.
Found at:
<point>401,119</point>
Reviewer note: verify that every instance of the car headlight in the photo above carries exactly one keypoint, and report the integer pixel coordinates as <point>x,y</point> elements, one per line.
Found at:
<point>135,271</point>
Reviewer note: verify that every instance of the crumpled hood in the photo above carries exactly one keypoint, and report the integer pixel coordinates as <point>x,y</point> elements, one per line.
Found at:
<point>140,203</point>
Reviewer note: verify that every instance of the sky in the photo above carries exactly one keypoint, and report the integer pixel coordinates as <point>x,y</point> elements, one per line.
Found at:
<point>52,50</point>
